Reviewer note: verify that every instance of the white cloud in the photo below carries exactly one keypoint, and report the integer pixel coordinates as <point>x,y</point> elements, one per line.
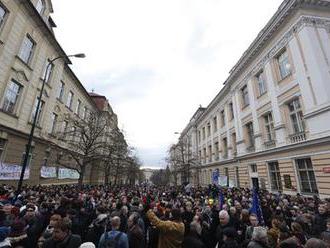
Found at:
<point>157,60</point>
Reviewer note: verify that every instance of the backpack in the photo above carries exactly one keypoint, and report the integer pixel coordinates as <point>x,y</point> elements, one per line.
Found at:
<point>111,243</point>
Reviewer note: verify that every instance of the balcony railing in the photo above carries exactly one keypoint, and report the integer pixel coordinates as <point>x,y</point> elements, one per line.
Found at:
<point>297,137</point>
<point>234,153</point>
<point>225,155</point>
<point>270,144</point>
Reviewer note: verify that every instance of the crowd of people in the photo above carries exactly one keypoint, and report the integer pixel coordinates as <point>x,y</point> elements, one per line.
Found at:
<point>69,216</point>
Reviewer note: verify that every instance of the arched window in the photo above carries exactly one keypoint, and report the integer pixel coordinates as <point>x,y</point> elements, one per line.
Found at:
<point>40,6</point>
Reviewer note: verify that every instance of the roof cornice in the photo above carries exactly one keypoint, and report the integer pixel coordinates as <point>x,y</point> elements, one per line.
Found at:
<point>286,9</point>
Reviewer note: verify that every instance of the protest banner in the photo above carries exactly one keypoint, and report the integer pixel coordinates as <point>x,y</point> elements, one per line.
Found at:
<point>12,172</point>
<point>65,173</point>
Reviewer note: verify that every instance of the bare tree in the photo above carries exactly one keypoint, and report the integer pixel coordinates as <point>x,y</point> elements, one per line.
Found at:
<point>181,159</point>
<point>84,141</point>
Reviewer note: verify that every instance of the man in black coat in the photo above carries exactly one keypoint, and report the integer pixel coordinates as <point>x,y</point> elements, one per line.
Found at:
<point>320,221</point>
<point>225,222</point>
<point>193,239</point>
<point>62,236</point>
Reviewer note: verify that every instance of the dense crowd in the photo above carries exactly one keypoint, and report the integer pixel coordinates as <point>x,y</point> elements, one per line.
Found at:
<point>69,216</point>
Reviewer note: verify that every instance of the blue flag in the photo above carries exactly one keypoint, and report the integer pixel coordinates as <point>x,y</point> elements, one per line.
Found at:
<point>215,177</point>
<point>221,199</point>
<point>256,208</point>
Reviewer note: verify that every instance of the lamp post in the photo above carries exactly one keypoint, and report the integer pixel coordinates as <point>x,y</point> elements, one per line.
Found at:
<point>35,118</point>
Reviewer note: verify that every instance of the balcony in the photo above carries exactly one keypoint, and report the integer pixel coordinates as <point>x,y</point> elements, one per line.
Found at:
<point>297,137</point>
<point>270,144</point>
<point>250,149</point>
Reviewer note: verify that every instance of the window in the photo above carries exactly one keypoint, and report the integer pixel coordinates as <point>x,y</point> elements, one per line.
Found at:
<point>306,176</point>
<point>245,96</point>
<point>215,124</point>
<point>284,64</point>
<point>78,107</point>
<point>40,6</point>
<point>237,177</point>
<point>233,140</point>
<point>208,129</point>
<point>269,126</point>
<point>53,123</point>
<point>204,154</point>
<point>231,110</point>
<point>296,116</point>
<point>199,136</point>
<point>60,91</point>
<point>69,100</point>
<point>2,148</point>
<point>216,150</point>
<point>3,14</point>
<point>222,114</point>
<point>65,126</point>
<point>42,103</point>
<point>210,153</point>
<point>261,83</point>
<point>84,115</point>
<point>27,48</point>
<point>47,71</point>
<point>200,155</point>
<point>11,97</point>
<point>203,133</point>
<point>250,134</point>
<point>275,176</point>
<point>253,168</point>
<point>225,147</point>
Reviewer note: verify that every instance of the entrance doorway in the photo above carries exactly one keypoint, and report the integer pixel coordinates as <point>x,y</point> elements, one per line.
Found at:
<point>255,183</point>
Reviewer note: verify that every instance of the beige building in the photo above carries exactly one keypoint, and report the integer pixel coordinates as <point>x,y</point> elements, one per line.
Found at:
<point>269,124</point>
<point>27,43</point>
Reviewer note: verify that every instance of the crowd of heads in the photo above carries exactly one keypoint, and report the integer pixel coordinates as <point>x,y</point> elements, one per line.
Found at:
<point>79,216</point>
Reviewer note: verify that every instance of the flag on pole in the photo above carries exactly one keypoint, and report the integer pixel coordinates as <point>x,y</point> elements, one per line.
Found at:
<point>221,199</point>
<point>256,208</point>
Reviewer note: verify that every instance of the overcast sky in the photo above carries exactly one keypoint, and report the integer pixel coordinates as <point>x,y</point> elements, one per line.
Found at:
<point>157,60</point>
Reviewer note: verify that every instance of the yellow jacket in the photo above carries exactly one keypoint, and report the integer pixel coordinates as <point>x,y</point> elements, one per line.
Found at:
<point>171,233</point>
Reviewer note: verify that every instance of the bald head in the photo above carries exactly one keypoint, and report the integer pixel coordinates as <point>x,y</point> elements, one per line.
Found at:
<point>115,222</point>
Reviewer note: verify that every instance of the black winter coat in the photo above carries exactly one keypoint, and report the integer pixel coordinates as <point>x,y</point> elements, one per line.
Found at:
<point>193,240</point>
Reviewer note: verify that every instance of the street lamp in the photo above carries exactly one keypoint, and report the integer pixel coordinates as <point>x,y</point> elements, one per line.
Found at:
<point>35,118</point>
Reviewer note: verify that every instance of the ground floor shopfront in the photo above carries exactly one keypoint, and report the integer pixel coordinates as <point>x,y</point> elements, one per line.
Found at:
<point>299,168</point>
<point>42,168</point>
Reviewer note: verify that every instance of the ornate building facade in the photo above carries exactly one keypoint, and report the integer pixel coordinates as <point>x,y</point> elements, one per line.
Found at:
<point>269,125</point>
<point>27,44</point>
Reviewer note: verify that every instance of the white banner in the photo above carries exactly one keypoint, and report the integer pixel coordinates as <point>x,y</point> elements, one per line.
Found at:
<point>65,173</point>
<point>223,181</point>
<point>12,172</point>
<point>48,172</point>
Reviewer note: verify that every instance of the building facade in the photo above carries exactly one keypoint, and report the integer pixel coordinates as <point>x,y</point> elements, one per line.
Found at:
<point>27,44</point>
<point>269,125</point>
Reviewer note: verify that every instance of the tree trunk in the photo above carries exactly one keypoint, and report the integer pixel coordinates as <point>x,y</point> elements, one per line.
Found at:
<point>106,177</point>
<point>81,176</point>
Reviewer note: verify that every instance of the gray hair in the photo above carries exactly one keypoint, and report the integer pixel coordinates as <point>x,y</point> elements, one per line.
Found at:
<point>195,227</point>
<point>224,213</point>
<point>260,234</point>
<point>115,222</point>
<point>315,243</point>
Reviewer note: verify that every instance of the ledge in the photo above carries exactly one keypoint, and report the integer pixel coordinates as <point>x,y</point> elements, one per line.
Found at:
<point>8,113</point>
<point>23,62</point>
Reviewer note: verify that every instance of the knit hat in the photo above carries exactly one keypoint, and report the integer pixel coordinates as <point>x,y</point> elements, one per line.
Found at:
<point>4,232</point>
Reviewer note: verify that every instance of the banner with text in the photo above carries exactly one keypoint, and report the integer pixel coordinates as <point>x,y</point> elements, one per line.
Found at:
<point>65,173</point>
<point>48,172</point>
<point>12,172</point>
